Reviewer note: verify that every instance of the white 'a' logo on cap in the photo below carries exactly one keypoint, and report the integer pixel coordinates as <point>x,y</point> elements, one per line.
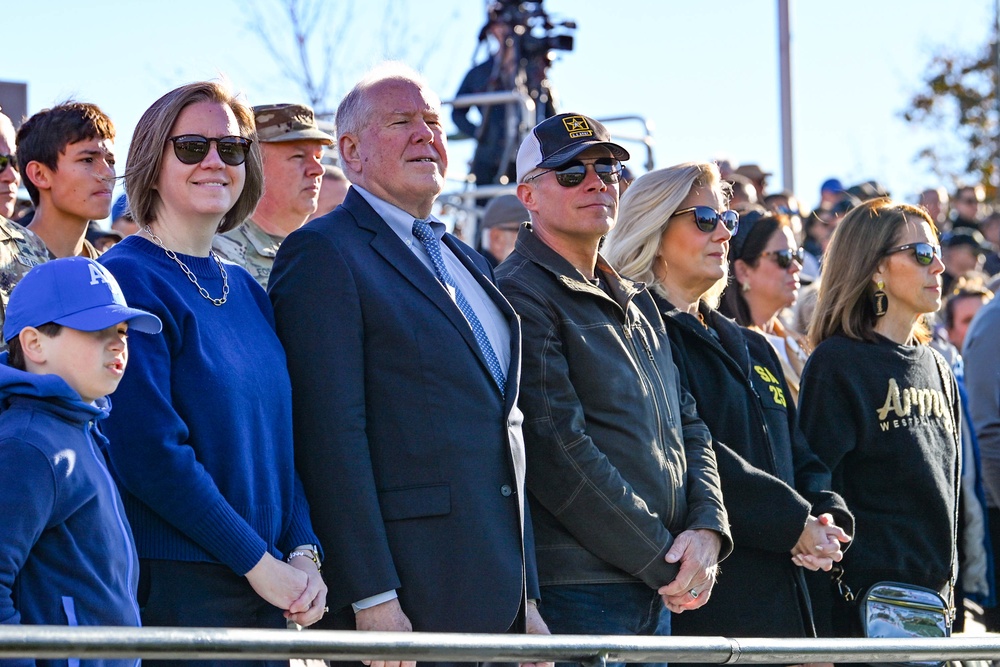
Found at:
<point>96,275</point>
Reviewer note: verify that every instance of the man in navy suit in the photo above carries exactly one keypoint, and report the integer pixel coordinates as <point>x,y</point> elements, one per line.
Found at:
<point>404,360</point>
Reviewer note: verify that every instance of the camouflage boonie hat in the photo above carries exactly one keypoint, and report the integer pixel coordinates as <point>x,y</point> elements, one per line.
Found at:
<point>288,122</point>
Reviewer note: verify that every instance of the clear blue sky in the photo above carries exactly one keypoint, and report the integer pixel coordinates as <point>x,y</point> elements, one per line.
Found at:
<point>705,73</point>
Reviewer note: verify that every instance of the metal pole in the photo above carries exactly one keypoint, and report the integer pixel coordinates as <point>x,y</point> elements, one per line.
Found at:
<point>227,644</point>
<point>785,68</point>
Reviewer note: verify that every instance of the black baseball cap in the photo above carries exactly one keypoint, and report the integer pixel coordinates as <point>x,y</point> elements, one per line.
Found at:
<point>557,140</point>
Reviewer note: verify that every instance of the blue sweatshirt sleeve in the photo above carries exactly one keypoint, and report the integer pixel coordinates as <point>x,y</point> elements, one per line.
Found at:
<point>27,500</point>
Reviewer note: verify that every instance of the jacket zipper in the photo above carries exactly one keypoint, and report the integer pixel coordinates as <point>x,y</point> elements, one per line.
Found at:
<point>660,404</point>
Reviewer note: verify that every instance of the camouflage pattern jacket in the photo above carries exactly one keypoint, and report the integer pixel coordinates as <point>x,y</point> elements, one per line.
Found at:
<point>250,247</point>
<point>20,250</point>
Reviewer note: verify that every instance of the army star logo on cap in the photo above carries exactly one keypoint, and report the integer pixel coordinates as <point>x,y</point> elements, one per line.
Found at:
<point>577,126</point>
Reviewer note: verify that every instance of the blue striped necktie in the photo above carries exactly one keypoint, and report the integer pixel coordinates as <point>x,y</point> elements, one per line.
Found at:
<point>422,231</point>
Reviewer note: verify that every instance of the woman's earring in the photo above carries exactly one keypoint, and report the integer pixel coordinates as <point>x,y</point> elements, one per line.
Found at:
<point>879,300</point>
<point>745,287</point>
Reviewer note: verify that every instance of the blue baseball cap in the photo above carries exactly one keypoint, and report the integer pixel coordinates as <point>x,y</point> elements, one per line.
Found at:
<point>833,185</point>
<point>119,208</point>
<point>75,292</point>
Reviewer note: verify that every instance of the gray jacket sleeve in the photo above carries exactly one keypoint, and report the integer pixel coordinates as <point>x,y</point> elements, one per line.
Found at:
<point>982,382</point>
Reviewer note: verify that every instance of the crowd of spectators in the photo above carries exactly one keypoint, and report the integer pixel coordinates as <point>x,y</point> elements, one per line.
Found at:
<point>566,433</point>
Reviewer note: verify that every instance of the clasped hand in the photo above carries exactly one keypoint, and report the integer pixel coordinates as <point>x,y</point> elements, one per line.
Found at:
<point>697,551</point>
<point>819,545</point>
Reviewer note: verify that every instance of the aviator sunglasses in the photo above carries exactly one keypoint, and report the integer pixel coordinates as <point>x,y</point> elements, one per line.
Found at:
<point>572,173</point>
<point>707,218</point>
<point>6,160</point>
<point>923,252</point>
<point>783,258</point>
<point>192,148</point>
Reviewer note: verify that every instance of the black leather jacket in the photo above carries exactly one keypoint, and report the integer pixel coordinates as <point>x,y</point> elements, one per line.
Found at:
<point>618,460</point>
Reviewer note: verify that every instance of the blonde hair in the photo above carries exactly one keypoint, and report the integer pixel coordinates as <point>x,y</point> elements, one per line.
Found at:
<point>633,245</point>
<point>844,305</point>
<point>145,154</point>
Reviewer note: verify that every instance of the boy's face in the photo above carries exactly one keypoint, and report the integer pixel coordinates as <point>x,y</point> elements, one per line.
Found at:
<point>91,362</point>
<point>81,185</point>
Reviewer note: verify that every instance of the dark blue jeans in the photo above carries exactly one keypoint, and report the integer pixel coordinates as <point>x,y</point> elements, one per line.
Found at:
<point>604,609</point>
<point>182,594</point>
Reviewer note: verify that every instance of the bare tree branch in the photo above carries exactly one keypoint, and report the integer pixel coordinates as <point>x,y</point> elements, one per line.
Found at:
<point>317,44</point>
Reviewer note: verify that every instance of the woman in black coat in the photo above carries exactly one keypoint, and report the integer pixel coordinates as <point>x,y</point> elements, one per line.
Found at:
<point>674,233</point>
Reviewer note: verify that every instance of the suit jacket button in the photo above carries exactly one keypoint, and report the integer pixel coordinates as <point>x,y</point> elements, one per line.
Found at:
<point>505,490</point>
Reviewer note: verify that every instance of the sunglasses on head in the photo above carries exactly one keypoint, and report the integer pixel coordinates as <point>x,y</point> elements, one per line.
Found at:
<point>707,218</point>
<point>572,173</point>
<point>923,252</point>
<point>783,258</point>
<point>8,160</point>
<point>193,148</point>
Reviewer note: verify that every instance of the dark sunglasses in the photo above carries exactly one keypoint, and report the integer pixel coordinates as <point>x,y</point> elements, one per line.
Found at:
<point>8,160</point>
<point>572,174</point>
<point>707,218</point>
<point>783,258</point>
<point>923,252</point>
<point>192,148</point>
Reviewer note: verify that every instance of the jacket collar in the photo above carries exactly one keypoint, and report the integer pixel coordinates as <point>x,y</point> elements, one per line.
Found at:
<point>730,340</point>
<point>622,289</point>
<point>387,243</point>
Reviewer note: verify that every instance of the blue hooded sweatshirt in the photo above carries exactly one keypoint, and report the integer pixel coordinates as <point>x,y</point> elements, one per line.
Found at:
<point>66,555</point>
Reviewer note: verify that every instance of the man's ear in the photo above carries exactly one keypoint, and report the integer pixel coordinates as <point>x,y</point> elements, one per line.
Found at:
<point>39,174</point>
<point>526,194</point>
<point>33,345</point>
<point>350,155</point>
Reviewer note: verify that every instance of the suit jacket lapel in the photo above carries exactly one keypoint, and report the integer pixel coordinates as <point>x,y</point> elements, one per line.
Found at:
<point>388,244</point>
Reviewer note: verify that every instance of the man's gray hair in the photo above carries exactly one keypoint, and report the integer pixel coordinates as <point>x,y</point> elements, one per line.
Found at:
<point>355,110</point>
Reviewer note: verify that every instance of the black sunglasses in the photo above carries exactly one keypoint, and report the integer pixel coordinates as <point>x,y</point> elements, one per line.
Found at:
<point>572,173</point>
<point>783,258</point>
<point>192,148</point>
<point>8,160</point>
<point>707,218</point>
<point>923,252</point>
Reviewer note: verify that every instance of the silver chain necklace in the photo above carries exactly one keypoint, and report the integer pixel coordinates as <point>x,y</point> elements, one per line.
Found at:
<point>201,290</point>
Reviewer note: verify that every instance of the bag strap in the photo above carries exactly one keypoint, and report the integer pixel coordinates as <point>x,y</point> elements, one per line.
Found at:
<point>837,578</point>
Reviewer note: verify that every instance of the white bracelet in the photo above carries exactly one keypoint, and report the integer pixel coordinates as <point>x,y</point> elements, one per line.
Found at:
<point>310,554</point>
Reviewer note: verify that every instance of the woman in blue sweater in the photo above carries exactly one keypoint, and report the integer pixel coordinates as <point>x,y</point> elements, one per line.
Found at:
<point>201,436</point>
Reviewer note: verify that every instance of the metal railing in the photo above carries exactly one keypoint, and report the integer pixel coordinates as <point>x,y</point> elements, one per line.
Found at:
<point>223,644</point>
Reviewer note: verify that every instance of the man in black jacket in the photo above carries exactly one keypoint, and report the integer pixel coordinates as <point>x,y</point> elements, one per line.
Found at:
<point>623,484</point>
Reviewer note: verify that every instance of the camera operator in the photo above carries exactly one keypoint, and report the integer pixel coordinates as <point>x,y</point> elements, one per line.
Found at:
<point>502,71</point>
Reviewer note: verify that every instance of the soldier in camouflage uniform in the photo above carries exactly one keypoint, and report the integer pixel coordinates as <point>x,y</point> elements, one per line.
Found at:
<point>20,250</point>
<point>292,146</point>
<point>10,178</point>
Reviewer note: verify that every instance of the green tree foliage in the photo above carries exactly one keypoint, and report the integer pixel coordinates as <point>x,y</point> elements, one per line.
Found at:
<point>957,101</point>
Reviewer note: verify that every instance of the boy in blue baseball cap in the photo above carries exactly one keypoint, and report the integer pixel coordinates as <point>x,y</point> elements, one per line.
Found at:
<point>67,556</point>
